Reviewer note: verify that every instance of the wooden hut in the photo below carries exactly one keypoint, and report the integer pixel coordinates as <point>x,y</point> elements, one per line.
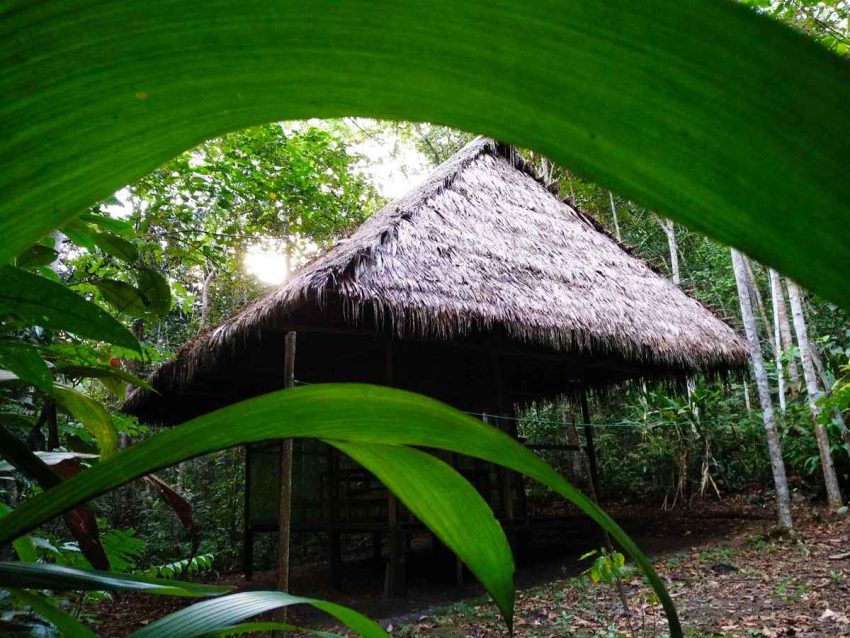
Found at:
<point>480,288</point>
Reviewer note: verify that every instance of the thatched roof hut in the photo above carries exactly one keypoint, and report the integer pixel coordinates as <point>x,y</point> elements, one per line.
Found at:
<point>480,269</point>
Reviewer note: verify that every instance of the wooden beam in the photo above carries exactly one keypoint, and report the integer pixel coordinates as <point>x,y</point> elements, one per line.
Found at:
<point>284,518</point>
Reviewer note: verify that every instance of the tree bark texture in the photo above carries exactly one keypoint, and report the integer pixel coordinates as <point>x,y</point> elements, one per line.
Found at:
<point>783,500</point>
<point>833,493</point>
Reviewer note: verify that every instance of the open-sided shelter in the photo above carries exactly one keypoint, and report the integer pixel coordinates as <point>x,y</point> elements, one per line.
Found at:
<point>480,288</point>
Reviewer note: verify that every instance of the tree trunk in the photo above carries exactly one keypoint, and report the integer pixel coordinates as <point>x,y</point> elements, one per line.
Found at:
<point>783,501</point>
<point>787,342</point>
<point>775,296</point>
<point>833,493</point>
<point>837,417</point>
<point>669,229</point>
<point>614,215</point>
<point>751,278</point>
<point>205,299</point>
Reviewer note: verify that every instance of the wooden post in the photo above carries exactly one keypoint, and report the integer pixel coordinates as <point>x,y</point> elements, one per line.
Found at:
<point>588,437</point>
<point>394,578</point>
<point>285,504</point>
<point>334,538</point>
<point>248,531</point>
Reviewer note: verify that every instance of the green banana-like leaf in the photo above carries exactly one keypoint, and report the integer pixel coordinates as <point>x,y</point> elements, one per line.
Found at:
<point>453,509</point>
<point>222,613</point>
<point>50,304</point>
<point>59,578</point>
<point>92,415</point>
<point>716,117</point>
<point>69,626</point>
<point>337,413</point>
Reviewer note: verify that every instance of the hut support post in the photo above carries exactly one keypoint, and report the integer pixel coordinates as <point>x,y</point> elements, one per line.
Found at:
<point>248,531</point>
<point>394,581</point>
<point>285,504</point>
<point>334,538</point>
<point>588,440</point>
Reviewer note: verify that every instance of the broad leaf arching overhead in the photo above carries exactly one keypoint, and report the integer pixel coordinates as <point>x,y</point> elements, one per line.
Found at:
<point>699,109</point>
<point>340,414</point>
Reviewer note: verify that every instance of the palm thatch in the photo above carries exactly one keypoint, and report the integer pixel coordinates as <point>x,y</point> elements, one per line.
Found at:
<point>483,245</point>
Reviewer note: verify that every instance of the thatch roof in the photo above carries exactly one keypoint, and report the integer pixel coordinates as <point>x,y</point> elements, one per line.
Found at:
<point>484,245</point>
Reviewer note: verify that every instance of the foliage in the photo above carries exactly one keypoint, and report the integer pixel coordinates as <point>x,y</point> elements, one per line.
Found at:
<point>608,567</point>
<point>662,120</point>
<point>646,123</point>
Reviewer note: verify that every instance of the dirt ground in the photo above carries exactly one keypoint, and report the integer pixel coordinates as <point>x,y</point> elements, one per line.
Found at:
<point>727,574</point>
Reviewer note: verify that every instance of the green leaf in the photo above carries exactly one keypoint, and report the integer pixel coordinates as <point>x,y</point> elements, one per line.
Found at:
<point>80,234</point>
<point>702,110</point>
<point>104,372</point>
<point>58,578</point>
<point>117,247</point>
<point>221,613</point>
<point>155,291</point>
<point>454,510</point>
<point>26,362</point>
<point>65,622</point>
<point>92,415</point>
<point>51,305</point>
<point>123,297</point>
<point>337,413</point>
<point>23,546</point>
<point>110,224</point>
<point>36,255</point>
<point>16,421</point>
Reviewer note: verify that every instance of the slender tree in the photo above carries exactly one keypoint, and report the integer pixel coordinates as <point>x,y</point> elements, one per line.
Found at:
<point>614,215</point>
<point>833,493</point>
<point>837,417</point>
<point>775,297</point>
<point>783,500</point>
<point>756,294</point>
<point>787,343</point>
<point>669,229</point>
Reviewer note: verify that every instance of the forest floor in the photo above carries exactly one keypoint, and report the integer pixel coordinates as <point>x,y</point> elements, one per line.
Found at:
<point>727,574</point>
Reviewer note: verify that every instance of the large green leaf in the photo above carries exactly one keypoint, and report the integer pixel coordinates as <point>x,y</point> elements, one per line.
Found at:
<point>59,578</point>
<point>453,509</point>
<point>122,296</point>
<point>69,626</point>
<point>716,117</point>
<point>117,247</point>
<point>92,415</point>
<point>23,546</point>
<point>347,413</point>
<point>51,305</point>
<point>155,291</point>
<point>26,362</point>
<point>220,613</point>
